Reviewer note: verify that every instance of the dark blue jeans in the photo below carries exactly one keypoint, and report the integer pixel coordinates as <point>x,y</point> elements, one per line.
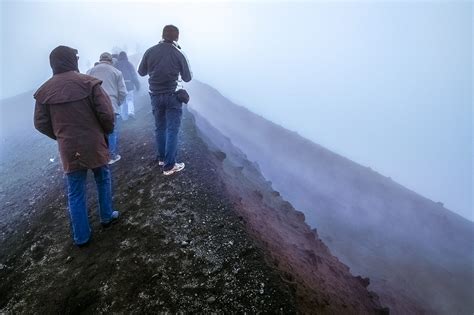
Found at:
<point>77,201</point>
<point>167,110</point>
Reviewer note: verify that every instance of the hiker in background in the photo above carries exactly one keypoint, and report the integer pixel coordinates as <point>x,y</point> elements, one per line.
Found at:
<point>114,85</point>
<point>164,63</point>
<point>73,109</point>
<point>114,59</point>
<point>131,82</point>
<point>95,64</point>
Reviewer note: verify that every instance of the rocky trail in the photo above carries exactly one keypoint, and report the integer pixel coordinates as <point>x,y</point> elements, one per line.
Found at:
<point>212,238</point>
<point>177,247</point>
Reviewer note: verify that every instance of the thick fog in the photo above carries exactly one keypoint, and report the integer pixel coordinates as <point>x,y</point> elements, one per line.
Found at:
<point>386,84</point>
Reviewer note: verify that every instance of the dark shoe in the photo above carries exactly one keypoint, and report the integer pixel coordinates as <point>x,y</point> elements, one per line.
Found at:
<point>84,244</point>
<point>113,218</point>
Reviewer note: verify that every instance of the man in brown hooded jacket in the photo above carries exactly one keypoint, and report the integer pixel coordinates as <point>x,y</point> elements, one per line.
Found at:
<point>73,109</point>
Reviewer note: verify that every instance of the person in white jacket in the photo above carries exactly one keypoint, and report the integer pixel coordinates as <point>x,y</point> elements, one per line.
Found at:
<point>114,85</point>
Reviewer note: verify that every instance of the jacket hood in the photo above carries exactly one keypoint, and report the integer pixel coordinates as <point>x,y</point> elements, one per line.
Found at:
<point>122,56</point>
<point>66,87</point>
<point>63,59</point>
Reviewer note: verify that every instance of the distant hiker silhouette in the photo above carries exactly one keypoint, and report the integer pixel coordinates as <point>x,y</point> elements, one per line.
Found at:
<point>114,85</point>
<point>74,109</point>
<point>165,62</point>
<point>131,82</point>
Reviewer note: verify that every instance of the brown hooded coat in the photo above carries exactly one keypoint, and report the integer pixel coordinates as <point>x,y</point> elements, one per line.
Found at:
<point>73,109</point>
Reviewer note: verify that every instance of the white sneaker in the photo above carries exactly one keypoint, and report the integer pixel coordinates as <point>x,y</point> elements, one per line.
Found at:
<point>117,158</point>
<point>176,168</point>
<point>161,163</point>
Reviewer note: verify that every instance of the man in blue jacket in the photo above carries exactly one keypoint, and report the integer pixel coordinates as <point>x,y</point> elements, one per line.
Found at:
<point>164,63</point>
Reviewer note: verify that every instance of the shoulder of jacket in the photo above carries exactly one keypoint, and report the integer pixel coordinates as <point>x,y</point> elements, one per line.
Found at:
<point>179,52</point>
<point>74,86</point>
<point>111,69</point>
<point>175,47</point>
<point>88,78</point>
<point>43,87</point>
<point>151,49</point>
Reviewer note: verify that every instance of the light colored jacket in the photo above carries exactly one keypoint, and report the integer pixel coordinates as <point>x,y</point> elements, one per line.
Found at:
<point>112,83</point>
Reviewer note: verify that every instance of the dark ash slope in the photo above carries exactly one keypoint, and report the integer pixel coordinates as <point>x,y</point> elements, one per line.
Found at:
<point>419,255</point>
<point>179,246</point>
<point>216,237</point>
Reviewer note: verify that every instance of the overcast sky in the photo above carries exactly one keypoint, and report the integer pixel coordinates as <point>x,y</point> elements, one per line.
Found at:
<point>387,84</point>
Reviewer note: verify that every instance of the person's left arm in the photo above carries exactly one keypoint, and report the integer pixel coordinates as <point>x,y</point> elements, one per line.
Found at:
<point>185,70</point>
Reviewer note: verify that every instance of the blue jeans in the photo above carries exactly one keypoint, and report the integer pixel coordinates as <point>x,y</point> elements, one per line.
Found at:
<point>77,201</point>
<point>167,110</point>
<point>114,138</point>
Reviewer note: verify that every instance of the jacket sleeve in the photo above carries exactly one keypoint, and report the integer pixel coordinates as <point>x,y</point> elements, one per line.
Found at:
<point>42,120</point>
<point>103,109</point>
<point>121,88</point>
<point>185,70</point>
<point>143,67</point>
